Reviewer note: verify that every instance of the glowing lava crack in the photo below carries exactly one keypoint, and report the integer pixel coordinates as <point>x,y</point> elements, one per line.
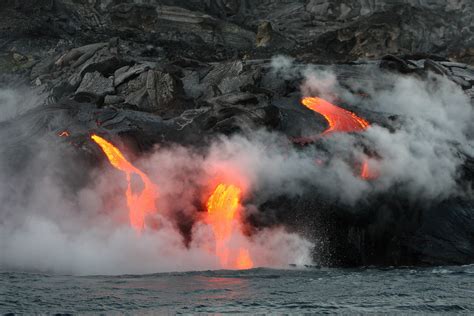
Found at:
<point>139,204</point>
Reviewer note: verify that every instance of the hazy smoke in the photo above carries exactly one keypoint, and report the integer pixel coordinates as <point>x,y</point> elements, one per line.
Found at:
<point>45,227</point>
<point>15,102</point>
<point>417,153</point>
<point>425,152</point>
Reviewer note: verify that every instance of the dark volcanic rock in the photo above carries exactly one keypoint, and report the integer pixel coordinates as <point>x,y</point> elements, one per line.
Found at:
<point>183,71</point>
<point>127,72</point>
<point>430,244</point>
<point>241,111</point>
<point>77,56</point>
<point>155,91</point>
<point>95,83</point>
<point>316,29</point>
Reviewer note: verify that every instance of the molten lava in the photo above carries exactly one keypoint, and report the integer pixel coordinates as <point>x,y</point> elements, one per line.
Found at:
<point>244,261</point>
<point>368,173</point>
<point>139,204</point>
<point>340,120</point>
<point>222,215</point>
<point>64,134</point>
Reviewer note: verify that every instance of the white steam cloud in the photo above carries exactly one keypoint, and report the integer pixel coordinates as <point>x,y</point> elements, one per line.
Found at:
<point>88,232</point>
<point>419,155</point>
<point>15,102</point>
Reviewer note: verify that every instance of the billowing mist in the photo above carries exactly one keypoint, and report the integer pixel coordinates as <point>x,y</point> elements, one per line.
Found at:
<point>15,102</point>
<point>418,153</point>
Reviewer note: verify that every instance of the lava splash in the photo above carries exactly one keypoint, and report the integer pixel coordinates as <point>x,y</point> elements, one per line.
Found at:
<point>222,216</point>
<point>139,204</point>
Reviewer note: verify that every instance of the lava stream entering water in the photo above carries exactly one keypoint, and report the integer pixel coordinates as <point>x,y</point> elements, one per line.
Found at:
<point>139,204</point>
<point>340,120</point>
<point>222,215</point>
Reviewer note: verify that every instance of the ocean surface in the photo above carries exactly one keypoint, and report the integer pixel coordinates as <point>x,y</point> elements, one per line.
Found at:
<point>409,290</point>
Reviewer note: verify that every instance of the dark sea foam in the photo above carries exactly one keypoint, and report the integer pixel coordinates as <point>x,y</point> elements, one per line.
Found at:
<point>439,290</point>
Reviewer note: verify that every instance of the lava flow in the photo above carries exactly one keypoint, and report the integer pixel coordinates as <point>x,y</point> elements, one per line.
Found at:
<point>64,134</point>
<point>222,208</point>
<point>340,120</point>
<point>139,204</point>
<point>368,173</point>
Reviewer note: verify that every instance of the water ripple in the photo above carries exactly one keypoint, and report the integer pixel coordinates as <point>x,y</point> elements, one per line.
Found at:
<point>320,290</point>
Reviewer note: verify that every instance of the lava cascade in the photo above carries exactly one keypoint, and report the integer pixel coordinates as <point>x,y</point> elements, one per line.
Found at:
<point>222,216</point>
<point>222,208</point>
<point>139,204</point>
<point>340,120</point>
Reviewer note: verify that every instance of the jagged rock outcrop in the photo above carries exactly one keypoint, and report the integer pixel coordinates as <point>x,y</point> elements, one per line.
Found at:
<point>96,84</point>
<point>316,29</point>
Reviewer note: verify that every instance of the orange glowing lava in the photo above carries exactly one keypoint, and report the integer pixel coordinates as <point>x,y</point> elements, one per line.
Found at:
<point>139,204</point>
<point>368,173</point>
<point>222,215</point>
<point>244,261</point>
<point>64,134</point>
<point>340,120</point>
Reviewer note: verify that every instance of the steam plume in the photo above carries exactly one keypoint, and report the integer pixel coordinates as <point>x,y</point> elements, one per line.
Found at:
<point>45,227</point>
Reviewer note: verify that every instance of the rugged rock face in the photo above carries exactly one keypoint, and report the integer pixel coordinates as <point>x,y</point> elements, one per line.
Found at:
<point>184,71</point>
<point>320,30</point>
